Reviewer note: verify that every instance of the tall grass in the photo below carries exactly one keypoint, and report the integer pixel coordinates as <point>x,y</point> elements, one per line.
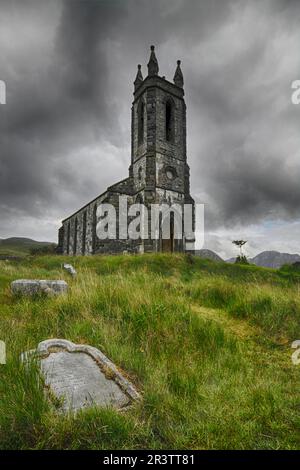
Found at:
<point>162,320</point>
<point>275,309</point>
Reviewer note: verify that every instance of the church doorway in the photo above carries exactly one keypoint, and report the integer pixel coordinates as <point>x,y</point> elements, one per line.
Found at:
<point>168,245</point>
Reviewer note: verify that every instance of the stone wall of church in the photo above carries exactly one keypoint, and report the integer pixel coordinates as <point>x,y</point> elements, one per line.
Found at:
<point>78,233</point>
<point>170,173</point>
<point>139,170</point>
<point>175,148</point>
<point>79,230</point>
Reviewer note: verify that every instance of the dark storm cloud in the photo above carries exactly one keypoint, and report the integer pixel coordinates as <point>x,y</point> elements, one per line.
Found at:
<point>69,67</point>
<point>57,95</point>
<point>249,164</point>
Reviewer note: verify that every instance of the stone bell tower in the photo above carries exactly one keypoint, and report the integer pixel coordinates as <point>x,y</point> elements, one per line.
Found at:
<point>158,152</point>
<point>158,174</point>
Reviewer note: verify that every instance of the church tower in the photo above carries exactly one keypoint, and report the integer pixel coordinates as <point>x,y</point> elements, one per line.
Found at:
<point>159,166</point>
<point>158,175</point>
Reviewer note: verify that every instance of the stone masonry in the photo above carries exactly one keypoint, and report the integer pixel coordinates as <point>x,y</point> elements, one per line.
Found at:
<point>158,172</point>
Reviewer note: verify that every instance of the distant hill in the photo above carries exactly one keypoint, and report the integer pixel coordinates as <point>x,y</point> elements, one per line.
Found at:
<point>271,259</point>
<point>19,246</point>
<point>208,254</point>
<point>274,259</point>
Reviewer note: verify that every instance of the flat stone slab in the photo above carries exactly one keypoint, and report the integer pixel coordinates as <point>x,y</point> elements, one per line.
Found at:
<point>81,376</point>
<point>32,286</point>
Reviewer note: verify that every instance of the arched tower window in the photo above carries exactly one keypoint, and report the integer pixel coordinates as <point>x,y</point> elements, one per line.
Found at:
<point>141,122</point>
<point>140,173</point>
<point>169,121</point>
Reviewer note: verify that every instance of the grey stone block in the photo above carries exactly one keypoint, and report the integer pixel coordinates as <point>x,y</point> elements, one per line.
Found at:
<point>32,287</point>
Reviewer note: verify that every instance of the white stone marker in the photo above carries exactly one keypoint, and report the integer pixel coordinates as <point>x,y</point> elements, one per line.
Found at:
<point>71,270</point>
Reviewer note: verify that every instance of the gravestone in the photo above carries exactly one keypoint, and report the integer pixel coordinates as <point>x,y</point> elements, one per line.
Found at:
<point>81,376</point>
<point>32,287</point>
<point>70,269</point>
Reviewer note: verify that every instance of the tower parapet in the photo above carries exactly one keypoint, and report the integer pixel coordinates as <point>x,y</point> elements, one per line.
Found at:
<point>153,68</point>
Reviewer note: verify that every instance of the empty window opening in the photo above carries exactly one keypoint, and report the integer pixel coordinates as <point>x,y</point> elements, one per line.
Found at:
<point>169,121</point>
<point>141,123</point>
<point>140,172</point>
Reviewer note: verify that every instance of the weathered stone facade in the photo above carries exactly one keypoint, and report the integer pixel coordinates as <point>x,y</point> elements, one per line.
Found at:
<point>158,173</point>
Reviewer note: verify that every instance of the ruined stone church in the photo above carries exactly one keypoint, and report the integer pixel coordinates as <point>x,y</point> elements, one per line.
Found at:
<point>158,173</point>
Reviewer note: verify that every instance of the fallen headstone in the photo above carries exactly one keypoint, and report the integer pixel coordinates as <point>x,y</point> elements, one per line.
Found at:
<point>32,287</point>
<point>71,270</point>
<point>81,376</point>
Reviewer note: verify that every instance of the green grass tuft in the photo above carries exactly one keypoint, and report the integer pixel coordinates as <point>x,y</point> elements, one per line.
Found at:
<point>207,344</point>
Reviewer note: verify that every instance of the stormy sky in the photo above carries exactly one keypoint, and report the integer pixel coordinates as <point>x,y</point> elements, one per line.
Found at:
<point>65,131</point>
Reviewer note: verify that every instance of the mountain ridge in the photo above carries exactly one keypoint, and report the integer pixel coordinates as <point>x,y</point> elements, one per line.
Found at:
<point>274,259</point>
<point>20,246</point>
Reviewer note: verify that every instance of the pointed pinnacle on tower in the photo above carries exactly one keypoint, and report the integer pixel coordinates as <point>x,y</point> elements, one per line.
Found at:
<point>152,64</point>
<point>139,78</point>
<point>178,77</point>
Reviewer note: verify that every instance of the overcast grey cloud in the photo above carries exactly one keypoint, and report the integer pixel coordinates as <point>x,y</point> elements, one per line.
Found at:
<point>65,130</point>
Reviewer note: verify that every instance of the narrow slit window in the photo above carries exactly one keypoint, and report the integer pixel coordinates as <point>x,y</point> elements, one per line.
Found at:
<point>169,122</point>
<point>140,173</point>
<point>141,123</point>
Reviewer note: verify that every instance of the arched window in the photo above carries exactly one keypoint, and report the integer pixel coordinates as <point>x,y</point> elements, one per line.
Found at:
<point>140,173</point>
<point>141,123</point>
<point>169,121</point>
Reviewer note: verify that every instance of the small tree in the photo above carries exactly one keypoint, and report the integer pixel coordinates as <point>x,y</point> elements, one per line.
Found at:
<point>241,258</point>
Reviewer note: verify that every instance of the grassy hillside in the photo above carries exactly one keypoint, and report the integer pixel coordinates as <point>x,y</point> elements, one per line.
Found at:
<point>19,246</point>
<point>207,344</point>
